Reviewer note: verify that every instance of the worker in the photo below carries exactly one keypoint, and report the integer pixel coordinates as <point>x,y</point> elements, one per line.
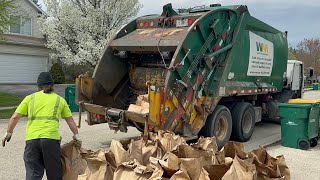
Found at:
<point>42,150</point>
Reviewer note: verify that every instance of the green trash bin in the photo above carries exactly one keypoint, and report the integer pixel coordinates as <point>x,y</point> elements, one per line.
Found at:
<point>315,86</point>
<point>70,93</point>
<point>299,125</point>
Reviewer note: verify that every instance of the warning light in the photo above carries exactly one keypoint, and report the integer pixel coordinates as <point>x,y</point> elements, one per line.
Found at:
<point>190,21</point>
<point>146,24</point>
<point>151,23</point>
<point>141,24</point>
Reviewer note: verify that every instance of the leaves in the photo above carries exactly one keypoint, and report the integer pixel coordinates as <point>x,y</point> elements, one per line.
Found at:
<point>57,74</point>
<point>79,30</point>
<point>6,6</point>
<point>308,51</point>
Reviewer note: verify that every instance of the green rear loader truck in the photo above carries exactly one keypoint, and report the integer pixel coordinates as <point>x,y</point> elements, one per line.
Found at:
<point>210,71</point>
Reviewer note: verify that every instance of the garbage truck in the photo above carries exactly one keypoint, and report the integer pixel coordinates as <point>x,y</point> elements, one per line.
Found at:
<point>205,71</point>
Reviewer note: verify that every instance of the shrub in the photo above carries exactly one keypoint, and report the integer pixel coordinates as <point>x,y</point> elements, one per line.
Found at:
<point>57,74</point>
<point>74,70</point>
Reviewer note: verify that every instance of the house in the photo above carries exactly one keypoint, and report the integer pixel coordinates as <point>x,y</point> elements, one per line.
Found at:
<point>23,55</point>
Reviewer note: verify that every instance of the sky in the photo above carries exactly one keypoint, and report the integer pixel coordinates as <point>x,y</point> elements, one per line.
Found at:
<point>300,18</point>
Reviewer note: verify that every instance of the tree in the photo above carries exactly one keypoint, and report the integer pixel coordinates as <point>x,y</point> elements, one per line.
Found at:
<point>6,7</point>
<point>291,53</point>
<point>78,30</point>
<point>57,74</point>
<point>308,51</point>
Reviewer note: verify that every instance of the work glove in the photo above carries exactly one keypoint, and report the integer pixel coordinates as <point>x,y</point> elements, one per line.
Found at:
<point>5,138</point>
<point>77,140</point>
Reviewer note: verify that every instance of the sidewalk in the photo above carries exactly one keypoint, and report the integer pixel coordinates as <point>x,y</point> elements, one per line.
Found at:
<point>10,107</point>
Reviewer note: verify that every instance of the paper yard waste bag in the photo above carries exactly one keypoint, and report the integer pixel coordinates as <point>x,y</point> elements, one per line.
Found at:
<point>241,170</point>
<point>208,143</point>
<point>169,140</point>
<point>132,170</point>
<point>231,149</point>
<point>100,165</point>
<point>269,167</point>
<point>72,162</point>
<point>166,156</point>
<point>120,154</point>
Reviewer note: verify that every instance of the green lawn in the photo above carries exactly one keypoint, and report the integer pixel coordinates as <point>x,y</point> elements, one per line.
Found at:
<point>7,100</point>
<point>6,114</point>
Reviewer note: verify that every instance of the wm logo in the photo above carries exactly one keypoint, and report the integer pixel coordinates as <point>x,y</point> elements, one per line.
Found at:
<point>262,47</point>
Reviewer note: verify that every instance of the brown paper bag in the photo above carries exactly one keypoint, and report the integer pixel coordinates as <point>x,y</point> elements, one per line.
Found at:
<point>132,170</point>
<point>72,162</point>
<point>241,170</point>
<point>124,173</point>
<point>157,169</point>
<point>98,168</point>
<point>169,140</point>
<point>193,166</point>
<point>284,169</point>
<point>217,171</point>
<point>204,175</point>
<point>208,143</point>
<point>186,151</point>
<point>120,154</point>
<point>151,149</point>
<point>269,167</point>
<point>180,175</point>
<point>135,150</point>
<point>231,149</point>
<point>170,164</point>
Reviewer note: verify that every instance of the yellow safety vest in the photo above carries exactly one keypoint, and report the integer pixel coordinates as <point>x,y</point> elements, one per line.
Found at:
<point>43,112</point>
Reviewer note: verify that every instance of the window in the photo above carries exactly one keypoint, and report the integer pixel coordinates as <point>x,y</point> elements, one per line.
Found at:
<point>21,25</point>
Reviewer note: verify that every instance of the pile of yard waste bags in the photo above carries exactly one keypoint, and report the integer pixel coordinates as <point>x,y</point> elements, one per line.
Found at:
<point>167,156</point>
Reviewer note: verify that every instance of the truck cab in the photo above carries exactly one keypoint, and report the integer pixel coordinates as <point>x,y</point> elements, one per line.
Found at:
<point>295,78</point>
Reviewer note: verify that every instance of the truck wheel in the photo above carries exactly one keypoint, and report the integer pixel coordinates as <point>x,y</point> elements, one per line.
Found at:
<point>243,121</point>
<point>218,124</point>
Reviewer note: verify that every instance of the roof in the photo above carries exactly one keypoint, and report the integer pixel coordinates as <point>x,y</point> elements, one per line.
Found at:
<point>36,7</point>
<point>24,40</point>
<point>294,62</point>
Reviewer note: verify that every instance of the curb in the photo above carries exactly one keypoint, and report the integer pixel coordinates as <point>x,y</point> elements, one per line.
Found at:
<point>10,107</point>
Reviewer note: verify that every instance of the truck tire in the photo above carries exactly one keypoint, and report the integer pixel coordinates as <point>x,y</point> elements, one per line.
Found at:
<point>273,113</point>
<point>218,124</point>
<point>243,121</point>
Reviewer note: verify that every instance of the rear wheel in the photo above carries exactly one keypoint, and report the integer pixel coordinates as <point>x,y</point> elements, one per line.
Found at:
<point>243,121</point>
<point>218,124</point>
<point>304,145</point>
<point>313,142</point>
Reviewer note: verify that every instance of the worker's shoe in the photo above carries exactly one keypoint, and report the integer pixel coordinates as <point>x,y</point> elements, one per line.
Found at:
<point>5,138</point>
<point>77,140</point>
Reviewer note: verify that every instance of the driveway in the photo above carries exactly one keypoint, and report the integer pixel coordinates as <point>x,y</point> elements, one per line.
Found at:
<point>100,136</point>
<point>26,89</point>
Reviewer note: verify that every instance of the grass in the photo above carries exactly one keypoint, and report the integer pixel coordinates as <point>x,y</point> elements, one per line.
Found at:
<point>6,114</point>
<point>7,100</point>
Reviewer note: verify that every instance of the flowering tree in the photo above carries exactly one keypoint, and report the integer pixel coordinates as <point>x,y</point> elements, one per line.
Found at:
<point>6,7</point>
<point>78,30</point>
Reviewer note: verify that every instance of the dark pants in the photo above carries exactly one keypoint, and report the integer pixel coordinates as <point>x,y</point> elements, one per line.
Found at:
<point>41,154</point>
